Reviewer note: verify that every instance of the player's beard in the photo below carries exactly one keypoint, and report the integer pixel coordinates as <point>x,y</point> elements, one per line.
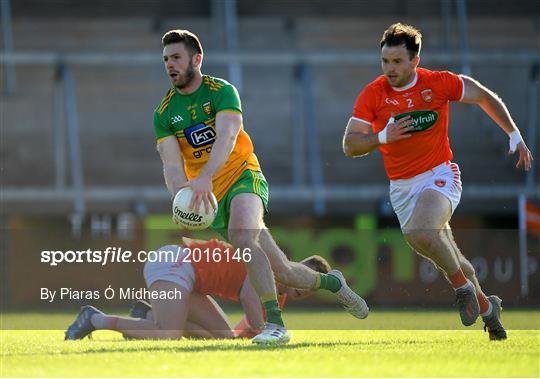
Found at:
<point>403,80</point>
<point>185,79</point>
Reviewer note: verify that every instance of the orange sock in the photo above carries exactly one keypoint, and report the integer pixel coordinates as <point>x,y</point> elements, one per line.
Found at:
<point>457,279</point>
<point>483,301</point>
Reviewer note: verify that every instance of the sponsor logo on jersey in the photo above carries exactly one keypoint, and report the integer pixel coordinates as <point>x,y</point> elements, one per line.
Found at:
<point>421,120</point>
<point>175,119</point>
<point>391,101</point>
<point>200,135</point>
<point>207,108</point>
<point>199,153</point>
<point>427,95</point>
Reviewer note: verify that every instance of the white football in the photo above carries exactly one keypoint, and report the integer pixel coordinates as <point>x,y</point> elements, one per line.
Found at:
<point>192,220</point>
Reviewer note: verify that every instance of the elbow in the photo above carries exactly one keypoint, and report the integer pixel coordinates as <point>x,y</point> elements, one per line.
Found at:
<point>170,166</point>
<point>347,149</point>
<point>353,153</point>
<point>171,170</point>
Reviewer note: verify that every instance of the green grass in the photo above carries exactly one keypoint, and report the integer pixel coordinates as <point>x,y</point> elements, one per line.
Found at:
<point>375,350</point>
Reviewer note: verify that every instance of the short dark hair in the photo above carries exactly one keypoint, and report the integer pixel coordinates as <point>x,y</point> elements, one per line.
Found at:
<point>317,263</point>
<point>400,34</point>
<point>189,39</point>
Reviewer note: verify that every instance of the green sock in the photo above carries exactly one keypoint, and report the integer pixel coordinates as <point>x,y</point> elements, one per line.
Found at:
<point>273,313</point>
<point>329,282</point>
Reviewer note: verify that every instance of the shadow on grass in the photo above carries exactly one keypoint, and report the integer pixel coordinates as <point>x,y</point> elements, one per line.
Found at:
<point>128,347</point>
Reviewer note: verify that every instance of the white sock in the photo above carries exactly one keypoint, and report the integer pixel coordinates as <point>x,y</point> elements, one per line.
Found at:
<point>488,312</point>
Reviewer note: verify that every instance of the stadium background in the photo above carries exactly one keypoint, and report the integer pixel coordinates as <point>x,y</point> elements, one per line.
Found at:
<point>79,168</point>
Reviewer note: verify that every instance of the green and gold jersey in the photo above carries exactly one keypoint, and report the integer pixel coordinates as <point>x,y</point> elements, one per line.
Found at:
<point>192,119</point>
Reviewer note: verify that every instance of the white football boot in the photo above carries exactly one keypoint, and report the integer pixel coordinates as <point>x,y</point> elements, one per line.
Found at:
<point>350,300</point>
<point>272,334</point>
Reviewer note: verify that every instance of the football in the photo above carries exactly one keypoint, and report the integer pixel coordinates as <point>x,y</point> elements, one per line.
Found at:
<point>192,219</point>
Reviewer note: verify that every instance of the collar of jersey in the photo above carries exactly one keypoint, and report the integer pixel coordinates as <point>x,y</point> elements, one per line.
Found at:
<point>192,93</point>
<point>408,86</point>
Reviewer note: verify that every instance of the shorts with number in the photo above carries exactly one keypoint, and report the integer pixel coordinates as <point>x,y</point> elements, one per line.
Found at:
<point>249,182</point>
<point>404,193</point>
<point>168,264</point>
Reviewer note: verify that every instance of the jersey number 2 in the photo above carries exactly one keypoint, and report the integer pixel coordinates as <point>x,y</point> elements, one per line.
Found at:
<point>410,103</point>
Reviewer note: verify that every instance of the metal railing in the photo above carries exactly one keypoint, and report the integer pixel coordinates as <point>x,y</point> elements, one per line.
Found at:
<point>7,33</point>
<point>315,191</point>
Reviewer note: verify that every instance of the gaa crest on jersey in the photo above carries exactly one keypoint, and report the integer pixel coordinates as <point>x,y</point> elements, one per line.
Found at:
<point>427,95</point>
<point>207,108</point>
<point>440,183</point>
<point>200,135</point>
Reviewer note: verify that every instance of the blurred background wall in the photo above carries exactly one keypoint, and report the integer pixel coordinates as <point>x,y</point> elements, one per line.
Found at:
<point>80,80</point>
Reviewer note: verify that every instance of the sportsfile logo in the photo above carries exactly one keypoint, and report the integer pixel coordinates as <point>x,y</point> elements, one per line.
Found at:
<point>191,216</point>
<point>200,135</point>
<point>421,120</point>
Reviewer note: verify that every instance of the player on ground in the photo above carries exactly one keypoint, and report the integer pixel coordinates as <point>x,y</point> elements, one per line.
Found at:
<point>195,314</point>
<point>404,113</point>
<point>202,144</point>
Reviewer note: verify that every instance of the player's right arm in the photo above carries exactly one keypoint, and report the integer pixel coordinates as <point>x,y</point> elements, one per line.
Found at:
<point>169,151</point>
<point>173,166</point>
<point>359,138</point>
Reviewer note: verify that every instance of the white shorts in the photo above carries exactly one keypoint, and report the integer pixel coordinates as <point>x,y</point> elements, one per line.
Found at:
<point>170,267</point>
<point>404,193</point>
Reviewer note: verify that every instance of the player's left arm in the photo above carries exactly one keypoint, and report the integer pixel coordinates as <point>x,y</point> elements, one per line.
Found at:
<point>476,93</point>
<point>228,125</point>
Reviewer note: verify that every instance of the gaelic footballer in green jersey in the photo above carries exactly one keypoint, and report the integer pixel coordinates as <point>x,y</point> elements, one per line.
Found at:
<point>199,123</point>
<point>192,119</point>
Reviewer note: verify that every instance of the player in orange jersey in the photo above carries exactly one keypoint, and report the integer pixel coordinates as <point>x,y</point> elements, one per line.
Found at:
<point>197,271</point>
<point>404,113</point>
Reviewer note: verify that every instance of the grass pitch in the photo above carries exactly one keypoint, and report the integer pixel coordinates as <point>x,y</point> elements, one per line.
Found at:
<point>375,350</point>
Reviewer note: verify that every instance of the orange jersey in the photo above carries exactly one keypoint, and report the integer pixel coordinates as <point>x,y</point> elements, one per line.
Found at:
<point>426,101</point>
<point>220,276</point>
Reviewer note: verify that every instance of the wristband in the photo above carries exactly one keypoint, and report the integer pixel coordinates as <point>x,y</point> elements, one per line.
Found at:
<point>382,136</point>
<point>515,139</point>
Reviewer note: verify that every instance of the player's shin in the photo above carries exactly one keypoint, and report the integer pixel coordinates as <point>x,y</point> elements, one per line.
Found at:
<point>261,276</point>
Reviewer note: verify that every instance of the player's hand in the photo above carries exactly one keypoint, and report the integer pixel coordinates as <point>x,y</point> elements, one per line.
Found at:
<point>172,200</point>
<point>525,156</point>
<point>202,193</point>
<point>400,129</point>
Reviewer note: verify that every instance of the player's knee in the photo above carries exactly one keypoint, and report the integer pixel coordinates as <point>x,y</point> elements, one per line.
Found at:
<point>243,238</point>
<point>421,238</point>
<point>283,272</point>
